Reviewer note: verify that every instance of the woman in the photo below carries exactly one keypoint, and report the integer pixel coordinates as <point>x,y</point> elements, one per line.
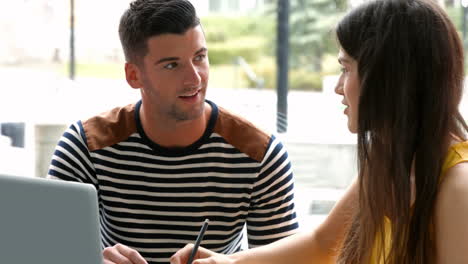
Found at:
<point>402,82</point>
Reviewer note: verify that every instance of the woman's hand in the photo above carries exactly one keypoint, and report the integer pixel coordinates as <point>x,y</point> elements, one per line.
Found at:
<point>203,256</point>
<point>121,254</point>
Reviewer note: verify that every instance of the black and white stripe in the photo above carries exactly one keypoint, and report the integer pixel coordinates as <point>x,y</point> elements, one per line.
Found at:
<point>155,203</point>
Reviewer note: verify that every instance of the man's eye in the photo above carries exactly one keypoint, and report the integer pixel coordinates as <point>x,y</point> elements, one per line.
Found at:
<point>200,57</point>
<point>170,65</point>
<point>343,70</point>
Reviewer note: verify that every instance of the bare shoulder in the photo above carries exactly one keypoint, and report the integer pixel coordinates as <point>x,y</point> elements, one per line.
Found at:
<point>451,216</point>
<point>455,180</point>
<point>454,189</point>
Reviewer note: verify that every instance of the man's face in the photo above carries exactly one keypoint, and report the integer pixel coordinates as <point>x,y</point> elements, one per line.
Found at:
<point>174,75</point>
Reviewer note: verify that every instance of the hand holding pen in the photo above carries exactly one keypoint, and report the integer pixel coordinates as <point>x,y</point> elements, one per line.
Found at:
<point>198,241</point>
<point>203,255</point>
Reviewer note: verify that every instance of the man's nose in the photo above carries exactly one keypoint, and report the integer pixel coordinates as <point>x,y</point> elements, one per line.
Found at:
<point>192,75</point>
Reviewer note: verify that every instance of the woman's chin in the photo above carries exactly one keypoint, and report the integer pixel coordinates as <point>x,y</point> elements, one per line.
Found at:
<point>352,128</point>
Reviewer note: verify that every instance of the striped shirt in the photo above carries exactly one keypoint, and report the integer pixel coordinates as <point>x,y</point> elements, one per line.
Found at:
<point>154,199</point>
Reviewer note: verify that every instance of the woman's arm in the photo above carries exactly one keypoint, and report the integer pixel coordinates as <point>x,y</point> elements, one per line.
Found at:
<point>317,246</point>
<point>451,217</point>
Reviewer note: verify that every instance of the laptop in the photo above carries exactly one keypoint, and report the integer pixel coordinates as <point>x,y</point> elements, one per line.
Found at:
<point>45,221</point>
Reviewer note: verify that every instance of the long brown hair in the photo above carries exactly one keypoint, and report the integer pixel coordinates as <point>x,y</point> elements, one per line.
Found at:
<point>410,64</point>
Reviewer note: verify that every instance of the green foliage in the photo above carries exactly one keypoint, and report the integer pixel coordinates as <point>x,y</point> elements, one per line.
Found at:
<point>229,37</point>
<point>311,30</point>
<point>226,76</point>
<point>311,25</point>
<point>455,14</point>
<point>302,79</point>
<point>224,28</point>
<point>299,79</point>
<point>250,48</point>
<point>265,69</point>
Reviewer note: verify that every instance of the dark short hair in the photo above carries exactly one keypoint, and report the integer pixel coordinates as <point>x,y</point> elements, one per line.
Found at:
<point>148,18</point>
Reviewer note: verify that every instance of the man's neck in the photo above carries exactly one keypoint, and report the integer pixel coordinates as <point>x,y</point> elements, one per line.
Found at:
<point>173,133</point>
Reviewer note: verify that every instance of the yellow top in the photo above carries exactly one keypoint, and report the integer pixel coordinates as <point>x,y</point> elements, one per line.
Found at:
<point>456,154</point>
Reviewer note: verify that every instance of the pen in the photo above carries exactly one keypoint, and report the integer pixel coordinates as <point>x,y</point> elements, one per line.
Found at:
<point>198,241</point>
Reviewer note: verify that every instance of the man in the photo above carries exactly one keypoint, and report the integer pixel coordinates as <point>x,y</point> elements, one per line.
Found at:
<point>166,163</point>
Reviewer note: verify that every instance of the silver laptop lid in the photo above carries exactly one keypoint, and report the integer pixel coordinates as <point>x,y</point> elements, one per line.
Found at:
<point>48,222</point>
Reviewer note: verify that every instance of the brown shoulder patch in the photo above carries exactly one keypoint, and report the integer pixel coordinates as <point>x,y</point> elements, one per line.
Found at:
<point>242,134</point>
<point>110,127</point>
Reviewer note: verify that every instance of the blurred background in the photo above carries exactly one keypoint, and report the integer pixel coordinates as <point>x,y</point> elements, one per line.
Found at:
<point>271,61</point>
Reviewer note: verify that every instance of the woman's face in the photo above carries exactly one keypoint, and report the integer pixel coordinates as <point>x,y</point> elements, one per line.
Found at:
<point>349,86</point>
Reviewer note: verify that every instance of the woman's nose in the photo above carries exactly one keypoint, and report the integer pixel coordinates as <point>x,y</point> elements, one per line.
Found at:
<point>339,86</point>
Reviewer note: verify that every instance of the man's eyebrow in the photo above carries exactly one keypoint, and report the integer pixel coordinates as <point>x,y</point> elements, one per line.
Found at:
<point>201,50</point>
<point>177,58</point>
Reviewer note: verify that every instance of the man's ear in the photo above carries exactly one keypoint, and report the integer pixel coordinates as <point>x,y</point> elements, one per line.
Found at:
<point>132,74</point>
